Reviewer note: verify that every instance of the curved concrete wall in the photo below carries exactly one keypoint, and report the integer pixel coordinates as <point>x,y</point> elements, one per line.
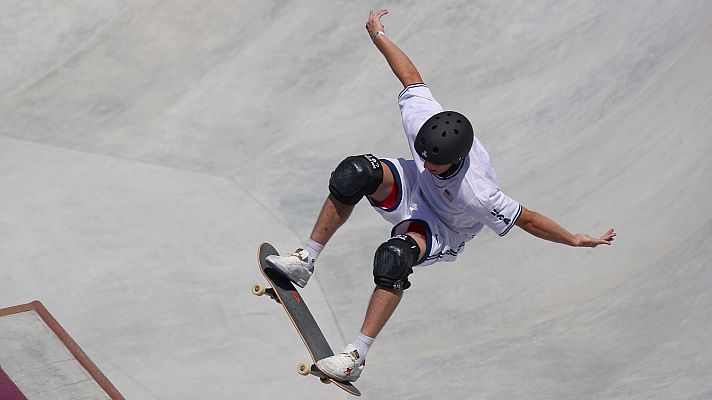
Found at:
<point>147,148</point>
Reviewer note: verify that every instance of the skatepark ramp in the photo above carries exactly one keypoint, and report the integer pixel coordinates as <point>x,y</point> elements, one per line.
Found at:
<point>147,148</point>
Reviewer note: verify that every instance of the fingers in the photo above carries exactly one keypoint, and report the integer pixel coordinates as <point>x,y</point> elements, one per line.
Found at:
<point>376,15</point>
<point>609,236</point>
<point>589,241</point>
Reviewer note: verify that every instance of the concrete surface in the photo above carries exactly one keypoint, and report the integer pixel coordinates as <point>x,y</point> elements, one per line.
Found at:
<point>147,148</point>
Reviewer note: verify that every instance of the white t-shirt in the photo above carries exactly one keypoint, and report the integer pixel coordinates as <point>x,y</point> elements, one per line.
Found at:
<point>468,199</point>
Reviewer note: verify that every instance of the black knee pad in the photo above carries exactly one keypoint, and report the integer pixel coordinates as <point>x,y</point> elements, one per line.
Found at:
<point>355,177</point>
<point>394,261</point>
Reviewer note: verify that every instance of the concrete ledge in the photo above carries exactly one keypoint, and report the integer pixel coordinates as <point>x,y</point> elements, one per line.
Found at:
<point>34,345</point>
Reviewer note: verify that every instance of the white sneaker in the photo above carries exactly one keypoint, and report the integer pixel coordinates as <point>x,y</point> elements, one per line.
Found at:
<point>346,366</point>
<point>298,267</point>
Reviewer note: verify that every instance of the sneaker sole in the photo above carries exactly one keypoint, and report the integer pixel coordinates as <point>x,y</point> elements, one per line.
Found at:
<point>333,378</point>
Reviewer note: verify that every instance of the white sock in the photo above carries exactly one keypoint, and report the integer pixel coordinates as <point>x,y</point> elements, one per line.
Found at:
<point>314,249</point>
<point>362,343</point>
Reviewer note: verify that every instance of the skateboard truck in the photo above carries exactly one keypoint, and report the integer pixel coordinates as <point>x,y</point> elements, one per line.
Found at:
<point>259,289</point>
<point>305,369</point>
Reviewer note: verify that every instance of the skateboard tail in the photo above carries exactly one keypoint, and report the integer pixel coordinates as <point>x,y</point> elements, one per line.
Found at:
<point>345,385</point>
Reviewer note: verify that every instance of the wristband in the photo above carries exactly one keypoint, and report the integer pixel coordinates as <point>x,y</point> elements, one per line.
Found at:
<point>375,35</point>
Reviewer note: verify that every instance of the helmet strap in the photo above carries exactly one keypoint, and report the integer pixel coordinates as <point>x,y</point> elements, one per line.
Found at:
<point>451,171</point>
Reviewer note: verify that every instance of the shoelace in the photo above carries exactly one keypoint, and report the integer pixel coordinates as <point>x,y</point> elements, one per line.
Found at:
<point>353,354</point>
<point>298,253</point>
<point>346,363</point>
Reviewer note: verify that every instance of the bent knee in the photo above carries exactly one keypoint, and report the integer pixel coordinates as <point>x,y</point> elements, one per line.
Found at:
<point>394,261</point>
<point>356,177</point>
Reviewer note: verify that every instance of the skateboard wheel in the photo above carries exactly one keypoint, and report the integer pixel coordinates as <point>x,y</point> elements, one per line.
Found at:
<point>304,369</point>
<point>258,289</point>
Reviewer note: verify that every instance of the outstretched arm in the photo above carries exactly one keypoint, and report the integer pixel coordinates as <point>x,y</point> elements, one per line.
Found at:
<point>543,227</point>
<point>399,62</point>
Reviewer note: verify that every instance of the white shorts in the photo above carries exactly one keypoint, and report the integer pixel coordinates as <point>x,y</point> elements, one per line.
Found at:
<point>443,243</point>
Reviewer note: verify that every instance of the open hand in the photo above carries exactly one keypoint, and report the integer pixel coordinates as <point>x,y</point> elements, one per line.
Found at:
<point>373,23</point>
<point>588,241</point>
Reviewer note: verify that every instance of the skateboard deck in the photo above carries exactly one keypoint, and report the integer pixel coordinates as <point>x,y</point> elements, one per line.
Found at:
<point>282,290</point>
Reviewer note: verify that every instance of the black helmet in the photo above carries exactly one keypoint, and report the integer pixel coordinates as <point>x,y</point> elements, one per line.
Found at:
<point>445,138</point>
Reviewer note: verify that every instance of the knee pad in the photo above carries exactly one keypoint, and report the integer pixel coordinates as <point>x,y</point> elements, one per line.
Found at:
<point>355,177</point>
<point>394,261</point>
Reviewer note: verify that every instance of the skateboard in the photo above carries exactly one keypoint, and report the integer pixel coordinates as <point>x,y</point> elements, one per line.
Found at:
<point>283,292</point>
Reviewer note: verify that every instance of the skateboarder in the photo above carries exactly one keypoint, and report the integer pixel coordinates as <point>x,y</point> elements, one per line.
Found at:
<point>437,202</point>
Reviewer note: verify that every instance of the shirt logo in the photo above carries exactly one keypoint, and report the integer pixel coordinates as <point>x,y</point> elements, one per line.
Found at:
<point>500,216</point>
<point>449,196</point>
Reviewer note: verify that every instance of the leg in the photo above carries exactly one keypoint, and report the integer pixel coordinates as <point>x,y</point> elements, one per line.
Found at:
<point>384,300</point>
<point>332,216</point>
<point>335,213</point>
<point>353,178</point>
<point>382,305</point>
<point>392,265</point>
